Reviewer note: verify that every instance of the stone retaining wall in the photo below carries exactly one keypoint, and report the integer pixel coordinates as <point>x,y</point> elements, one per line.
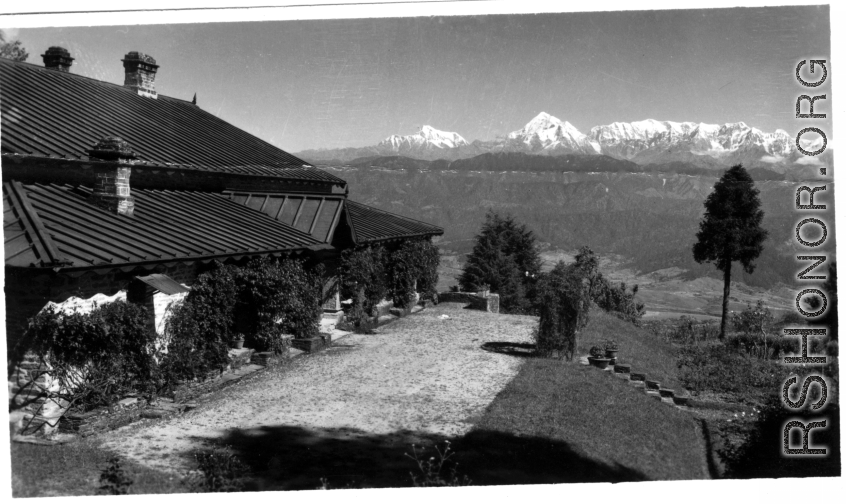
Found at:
<point>124,412</point>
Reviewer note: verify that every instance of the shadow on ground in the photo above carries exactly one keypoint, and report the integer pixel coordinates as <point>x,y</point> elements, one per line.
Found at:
<point>510,348</point>
<point>293,458</point>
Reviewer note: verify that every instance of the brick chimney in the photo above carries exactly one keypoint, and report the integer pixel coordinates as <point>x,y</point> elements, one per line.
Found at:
<point>57,58</point>
<point>140,73</point>
<point>111,179</point>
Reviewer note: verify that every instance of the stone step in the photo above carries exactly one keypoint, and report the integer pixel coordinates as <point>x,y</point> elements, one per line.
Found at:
<point>623,368</point>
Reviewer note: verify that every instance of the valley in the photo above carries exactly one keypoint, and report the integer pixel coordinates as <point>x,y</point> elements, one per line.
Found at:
<point>643,226</point>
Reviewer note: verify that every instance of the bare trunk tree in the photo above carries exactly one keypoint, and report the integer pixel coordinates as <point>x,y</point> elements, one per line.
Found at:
<point>727,276</point>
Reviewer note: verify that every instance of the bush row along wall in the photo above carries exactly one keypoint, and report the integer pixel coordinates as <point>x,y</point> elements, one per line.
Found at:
<point>29,292</point>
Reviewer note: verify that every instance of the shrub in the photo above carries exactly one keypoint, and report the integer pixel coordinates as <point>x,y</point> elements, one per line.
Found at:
<point>616,299</point>
<point>684,331</point>
<point>218,472</point>
<point>413,266</point>
<point>430,469</point>
<point>200,327</point>
<point>276,298</point>
<point>363,279</point>
<point>96,358</point>
<point>114,480</point>
<point>265,300</point>
<point>505,257</point>
<point>564,302</point>
<point>427,281</point>
<point>718,368</point>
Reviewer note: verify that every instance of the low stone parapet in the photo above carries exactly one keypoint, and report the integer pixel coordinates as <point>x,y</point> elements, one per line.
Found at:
<point>266,359</point>
<point>489,303</point>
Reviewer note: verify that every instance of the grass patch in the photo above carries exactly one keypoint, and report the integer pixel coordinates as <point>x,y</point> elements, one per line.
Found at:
<point>75,468</point>
<point>601,419</point>
<point>643,350</point>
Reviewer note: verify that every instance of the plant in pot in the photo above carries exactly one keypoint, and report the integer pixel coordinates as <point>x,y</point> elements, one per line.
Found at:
<point>238,341</point>
<point>611,347</point>
<point>484,290</point>
<point>597,357</point>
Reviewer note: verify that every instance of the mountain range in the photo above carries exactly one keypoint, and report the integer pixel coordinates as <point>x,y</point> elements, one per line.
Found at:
<point>707,146</point>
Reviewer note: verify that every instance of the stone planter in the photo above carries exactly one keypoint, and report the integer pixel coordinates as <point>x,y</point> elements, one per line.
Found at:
<point>612,354</point>
<point>599,362</point>
<point>313,344</point>
<point>238,344</point>
<point>652,384</point>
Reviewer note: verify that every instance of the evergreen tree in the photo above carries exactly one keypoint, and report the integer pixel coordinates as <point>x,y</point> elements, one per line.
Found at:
<point>731,229</point>
<point>506,259</point>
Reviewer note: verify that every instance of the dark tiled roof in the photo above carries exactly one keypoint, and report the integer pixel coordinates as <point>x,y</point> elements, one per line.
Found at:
<point>54,226</point>
<point>316,215</point>
<point>51,113</point>
<point>370,224</point>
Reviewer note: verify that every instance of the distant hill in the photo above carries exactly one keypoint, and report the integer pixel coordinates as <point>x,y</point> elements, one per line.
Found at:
<point>650,218</point>
<point>529,163</point>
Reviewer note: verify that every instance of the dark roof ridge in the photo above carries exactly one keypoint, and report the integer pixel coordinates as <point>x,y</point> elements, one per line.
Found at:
<point>81,76</point>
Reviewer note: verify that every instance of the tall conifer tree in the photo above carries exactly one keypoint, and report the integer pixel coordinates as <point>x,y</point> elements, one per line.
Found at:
<point>731,229</point>
<point>506,259</point>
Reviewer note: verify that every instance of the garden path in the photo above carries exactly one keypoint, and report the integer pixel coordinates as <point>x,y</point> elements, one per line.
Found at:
<point>422,373</point>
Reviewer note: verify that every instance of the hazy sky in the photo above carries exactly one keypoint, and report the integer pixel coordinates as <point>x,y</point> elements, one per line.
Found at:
<point>341,83</point>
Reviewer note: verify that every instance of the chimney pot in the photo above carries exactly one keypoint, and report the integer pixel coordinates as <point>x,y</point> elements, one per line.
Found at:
<point>111,179</point>
<point>140,73</point>
<point>57,58</point>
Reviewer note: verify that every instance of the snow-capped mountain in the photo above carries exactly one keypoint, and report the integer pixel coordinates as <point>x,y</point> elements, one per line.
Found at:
<point>711,146</point>
<point>546,134</point>
<point>652,141</point>
<point>427,138</point>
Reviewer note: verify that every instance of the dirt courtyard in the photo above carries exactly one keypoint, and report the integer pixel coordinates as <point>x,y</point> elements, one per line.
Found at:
<point>423,373</point>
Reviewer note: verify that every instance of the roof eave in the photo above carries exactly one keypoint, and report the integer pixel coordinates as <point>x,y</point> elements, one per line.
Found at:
<point>156,262</point>
<point>401,237</point>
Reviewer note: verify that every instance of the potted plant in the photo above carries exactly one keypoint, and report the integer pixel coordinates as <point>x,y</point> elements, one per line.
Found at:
<point>597,357</point>
<point>484,290</point>
<point>611,348</point>
<point>238,341</point>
